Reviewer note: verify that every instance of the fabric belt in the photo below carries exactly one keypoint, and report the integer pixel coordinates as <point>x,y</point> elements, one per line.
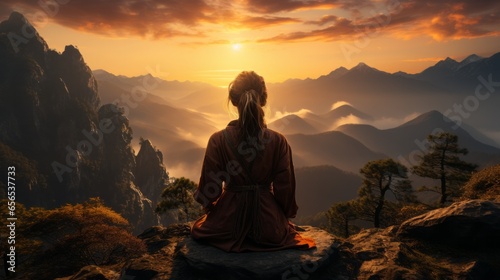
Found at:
<point>247,188</point>
<point>256,189</point>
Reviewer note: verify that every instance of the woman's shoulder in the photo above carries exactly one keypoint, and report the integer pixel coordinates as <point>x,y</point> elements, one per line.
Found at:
<point>216,136</point>
<point>276,136</point>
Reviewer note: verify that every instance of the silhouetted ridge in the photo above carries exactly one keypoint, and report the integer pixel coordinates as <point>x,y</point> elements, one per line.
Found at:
<point>433,116</point>
<point>471,58</point>
<point>50,112</point>
<point>344,111</point>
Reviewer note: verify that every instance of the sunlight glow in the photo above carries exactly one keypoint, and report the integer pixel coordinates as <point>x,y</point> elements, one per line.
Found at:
<point>237,47</point>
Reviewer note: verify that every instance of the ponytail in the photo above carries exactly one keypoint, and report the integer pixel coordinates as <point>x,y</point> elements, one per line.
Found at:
<point>249,94</point>
<point>251,114</point>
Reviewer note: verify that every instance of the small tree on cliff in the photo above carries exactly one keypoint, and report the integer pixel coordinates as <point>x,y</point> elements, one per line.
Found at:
<point>179,195</point>
<point>340,215</point>
<point>380,177</point>
<point>442,162</point>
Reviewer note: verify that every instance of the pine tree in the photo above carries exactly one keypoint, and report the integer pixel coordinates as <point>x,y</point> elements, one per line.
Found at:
<point>179,195</point>
<point>339,217</point>
<point>380,177</point>
<point>442,162</point>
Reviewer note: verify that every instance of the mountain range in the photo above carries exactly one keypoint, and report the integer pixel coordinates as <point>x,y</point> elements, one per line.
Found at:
<point>51,100</point>
<point>445,87</point>
<point>344,137</point>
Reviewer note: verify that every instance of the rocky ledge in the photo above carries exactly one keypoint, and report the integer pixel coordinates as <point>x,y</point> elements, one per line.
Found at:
<point>414,250</point>
<point>285,264</point>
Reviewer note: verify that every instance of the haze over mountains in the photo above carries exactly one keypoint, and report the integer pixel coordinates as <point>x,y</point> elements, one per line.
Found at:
<point>338,121</point>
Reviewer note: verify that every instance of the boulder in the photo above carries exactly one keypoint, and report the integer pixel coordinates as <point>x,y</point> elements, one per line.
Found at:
<point>471,224</point>
<point>213,263</point>
<point>157,237</point>
<point>381,255</point>
<point>145,267</point>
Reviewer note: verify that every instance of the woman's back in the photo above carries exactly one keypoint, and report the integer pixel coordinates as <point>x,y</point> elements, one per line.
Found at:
<point>247,188</point>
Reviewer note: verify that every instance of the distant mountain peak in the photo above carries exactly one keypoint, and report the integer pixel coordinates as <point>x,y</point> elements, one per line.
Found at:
<point>473,57</point>
<point>433,116</point>
<point>448,63</point>
<point>336,73</point>
<point>363,67</point>
<point>344,111</point>
<point>470,59</point>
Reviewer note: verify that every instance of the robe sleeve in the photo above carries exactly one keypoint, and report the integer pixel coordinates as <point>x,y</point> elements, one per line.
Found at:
<point>210,186</point>
<point>284,181</point>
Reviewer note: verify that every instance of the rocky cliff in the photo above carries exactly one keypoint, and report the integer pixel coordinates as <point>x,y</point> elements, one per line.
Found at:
<point>413,250</point>
<point>150,174</point>
<point>55,131</point>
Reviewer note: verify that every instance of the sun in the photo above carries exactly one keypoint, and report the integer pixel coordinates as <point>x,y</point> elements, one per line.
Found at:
<point>237,47</point>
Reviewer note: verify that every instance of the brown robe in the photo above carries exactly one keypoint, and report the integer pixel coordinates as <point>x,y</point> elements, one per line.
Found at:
<point>229,220</point>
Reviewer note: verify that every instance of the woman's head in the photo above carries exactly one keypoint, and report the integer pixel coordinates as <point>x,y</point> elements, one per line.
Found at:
<point>249,94</point>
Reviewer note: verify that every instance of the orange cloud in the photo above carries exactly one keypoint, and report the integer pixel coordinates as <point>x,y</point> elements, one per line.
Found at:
<point>441,20</point>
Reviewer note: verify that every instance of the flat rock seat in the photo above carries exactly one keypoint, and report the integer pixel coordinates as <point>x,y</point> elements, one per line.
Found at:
<point>283,264</point>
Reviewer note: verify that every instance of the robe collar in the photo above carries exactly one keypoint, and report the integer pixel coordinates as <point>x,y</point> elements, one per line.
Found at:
<point>236,123</point>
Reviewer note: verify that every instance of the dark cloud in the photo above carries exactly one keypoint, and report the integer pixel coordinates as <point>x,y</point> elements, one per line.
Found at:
<point>274,6</point>
<point>157,18</point>
<point>267,6</point>
<point>448,19</point>
<point>323,20</point>
<point>341,29</point>
<point>442,20</point>
<point>260,22</point>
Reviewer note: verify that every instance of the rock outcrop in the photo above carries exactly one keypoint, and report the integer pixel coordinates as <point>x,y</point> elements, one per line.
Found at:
<point>381,255</point>
<point>285,264</point>
<point>51,123</point>
<point>150,174</point>
<point>371,254</point>
<point>469,224</point>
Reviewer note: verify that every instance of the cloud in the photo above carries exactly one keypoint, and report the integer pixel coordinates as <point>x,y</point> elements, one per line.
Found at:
<point>441,20</point>
<point>154,18</point>
<point>323,20</point>
<point>260,22</point>
<point>341,29</point>
<point>266,6</point>
<point>380,123</point>
<point>339,103</point>
<point>275,6</point>
<point>350,119</point>
<point>279,114</point>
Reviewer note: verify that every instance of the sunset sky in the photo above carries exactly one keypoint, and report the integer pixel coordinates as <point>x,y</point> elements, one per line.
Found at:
<point>212,40</point>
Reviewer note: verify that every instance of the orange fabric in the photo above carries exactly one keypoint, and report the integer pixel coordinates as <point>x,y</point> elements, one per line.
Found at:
<point>227,223</point>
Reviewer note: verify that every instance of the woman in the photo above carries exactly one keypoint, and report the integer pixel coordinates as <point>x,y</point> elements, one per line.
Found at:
<point>247,184</point>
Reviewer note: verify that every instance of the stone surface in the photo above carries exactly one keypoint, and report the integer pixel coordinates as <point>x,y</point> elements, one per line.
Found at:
<point>93,272</point>
<point>285,264</point>
<point>370,254</point>
<point>381,255</point>
<point>471,223</point>
<point>145,267</point>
